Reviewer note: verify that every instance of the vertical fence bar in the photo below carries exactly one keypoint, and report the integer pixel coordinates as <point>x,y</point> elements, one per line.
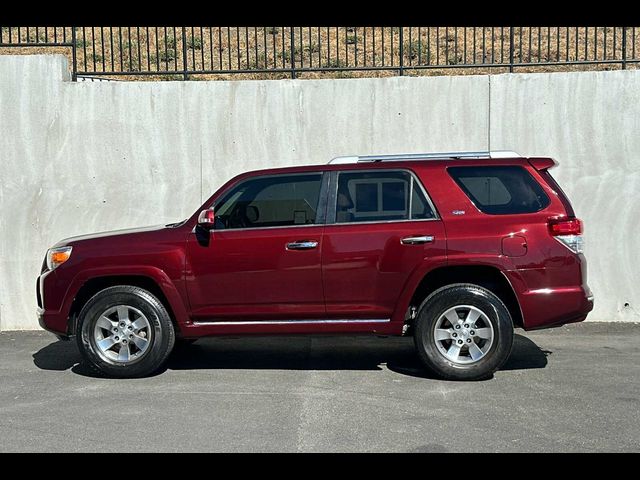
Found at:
<point>382,45</point>
<point>84,48</point>
<point>193,50</point>
<point>373,42</point>
<point>510,49</point>
<point>346,47</point>
<point>465,46</point>
<point>586,43</point>
<point>624,48</point>
<point>401,49</point>
<point>120,45</point>
<point>111,44</point>
<point>102,43</point>
<point>129,44</point>
<point>74,62</point>
<point>93,47</point>
<point>174,55</point>
<point>139,49</point>
<point>292,45</point>
<point>355,35</point>
<point>148,50</point>
<point>301,49</point>
<point>185,74</point>
<point>255,43</point>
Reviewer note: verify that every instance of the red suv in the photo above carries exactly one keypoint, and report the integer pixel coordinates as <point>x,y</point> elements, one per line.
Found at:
<point>455,249</point>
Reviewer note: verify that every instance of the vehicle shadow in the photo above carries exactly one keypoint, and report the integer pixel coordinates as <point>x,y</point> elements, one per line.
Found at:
<point>292,353</point>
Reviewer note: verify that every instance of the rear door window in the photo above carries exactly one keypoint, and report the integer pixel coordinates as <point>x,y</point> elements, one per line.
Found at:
<point>380,196</point>
<point>500,190</point>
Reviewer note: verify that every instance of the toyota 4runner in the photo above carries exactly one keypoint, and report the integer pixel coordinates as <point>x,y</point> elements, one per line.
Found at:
<point>455,249</point>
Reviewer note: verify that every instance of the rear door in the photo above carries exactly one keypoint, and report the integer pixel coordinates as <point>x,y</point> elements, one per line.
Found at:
<point>381,226</point>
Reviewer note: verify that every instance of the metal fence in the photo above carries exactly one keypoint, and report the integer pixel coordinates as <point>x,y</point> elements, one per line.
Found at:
<point>189,52</point>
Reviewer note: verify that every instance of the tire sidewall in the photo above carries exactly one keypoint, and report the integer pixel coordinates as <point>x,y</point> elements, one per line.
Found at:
<point>161,338</point>
<point>463,294</point>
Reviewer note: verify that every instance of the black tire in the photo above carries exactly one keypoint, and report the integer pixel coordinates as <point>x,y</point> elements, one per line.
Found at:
<point>161,335</point>
<point>459,295</point>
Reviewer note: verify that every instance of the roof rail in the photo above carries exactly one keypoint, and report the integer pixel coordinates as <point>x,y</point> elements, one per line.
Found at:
<point>424,156</point>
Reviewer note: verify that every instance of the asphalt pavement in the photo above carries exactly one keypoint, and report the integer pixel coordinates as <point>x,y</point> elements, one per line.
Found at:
<point>573,388</point>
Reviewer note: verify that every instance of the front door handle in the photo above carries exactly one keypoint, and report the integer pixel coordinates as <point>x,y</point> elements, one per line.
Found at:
<point>417,240</point>
<point>302,245</point>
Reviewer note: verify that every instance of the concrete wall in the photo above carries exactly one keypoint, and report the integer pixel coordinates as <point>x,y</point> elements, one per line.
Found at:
<point>84,157</point>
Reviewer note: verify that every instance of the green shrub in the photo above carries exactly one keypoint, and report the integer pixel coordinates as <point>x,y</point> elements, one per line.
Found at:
<point>194,43</point>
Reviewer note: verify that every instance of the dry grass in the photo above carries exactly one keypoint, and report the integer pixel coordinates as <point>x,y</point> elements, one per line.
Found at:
<point>162,49</point>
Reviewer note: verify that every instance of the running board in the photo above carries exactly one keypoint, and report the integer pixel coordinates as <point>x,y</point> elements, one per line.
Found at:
<point>295,322</point>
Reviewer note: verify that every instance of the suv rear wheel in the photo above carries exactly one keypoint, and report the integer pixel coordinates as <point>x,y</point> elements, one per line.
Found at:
<point>463,332</point>
<point>125,331</point>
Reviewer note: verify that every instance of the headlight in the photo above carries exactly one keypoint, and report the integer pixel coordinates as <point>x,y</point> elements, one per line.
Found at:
<point>57,256</point>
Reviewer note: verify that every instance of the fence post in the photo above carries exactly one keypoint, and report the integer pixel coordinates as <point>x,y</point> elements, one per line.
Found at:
<point>74,67</point>
<point>401,50</point>
<point>184,54</point>
<point>292,47</point>
<point>624,48</point>
<point>510,49</point>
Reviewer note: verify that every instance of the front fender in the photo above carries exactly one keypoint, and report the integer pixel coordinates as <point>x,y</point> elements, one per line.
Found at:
<point>161,279</point>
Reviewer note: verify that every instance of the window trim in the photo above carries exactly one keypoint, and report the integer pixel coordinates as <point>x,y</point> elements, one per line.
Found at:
<point>321,210</point>
<point>333,197</point>
<point>470,197</point>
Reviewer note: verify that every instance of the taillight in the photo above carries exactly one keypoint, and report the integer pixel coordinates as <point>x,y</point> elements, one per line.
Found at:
<point>568,231</point>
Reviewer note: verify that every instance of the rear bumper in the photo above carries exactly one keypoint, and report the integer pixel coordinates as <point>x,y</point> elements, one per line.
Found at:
<point>549,307</point>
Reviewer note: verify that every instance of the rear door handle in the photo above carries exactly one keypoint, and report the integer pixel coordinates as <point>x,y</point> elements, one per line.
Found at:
<point>302,245</point>
<point>417,240</point>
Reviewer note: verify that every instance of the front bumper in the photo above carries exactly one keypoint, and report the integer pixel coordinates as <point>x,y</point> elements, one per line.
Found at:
<point>51,320</point>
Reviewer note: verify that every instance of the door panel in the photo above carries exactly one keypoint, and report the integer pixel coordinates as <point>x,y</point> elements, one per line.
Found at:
<point>381,227</point>
<point>262,261</point>
<point>366,266</point>
<point>250,274</point>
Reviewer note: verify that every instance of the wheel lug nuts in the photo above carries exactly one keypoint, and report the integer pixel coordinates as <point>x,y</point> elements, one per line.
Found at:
<point>466,325</point>
<point>122,324</point>
<point>115,329</point>
<point>124,341</point>
<point>460,342</point>
<point>117,339</point>
<point>468,340</point>
<point>457,327</point>
<point>130,336</point>
<point>130,327</point>
<point>472,332</point>
<point>454,334</point>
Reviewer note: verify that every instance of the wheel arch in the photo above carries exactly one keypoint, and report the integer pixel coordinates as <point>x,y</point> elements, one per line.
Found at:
<point>487,276</point>
<point>94,284</point>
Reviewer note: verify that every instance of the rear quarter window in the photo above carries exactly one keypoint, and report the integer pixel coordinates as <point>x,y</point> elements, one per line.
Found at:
<point>500,190</point>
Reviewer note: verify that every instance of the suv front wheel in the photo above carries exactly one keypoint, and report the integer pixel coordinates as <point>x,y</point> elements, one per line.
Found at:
<point>463,332</point>
<point>125,331</point>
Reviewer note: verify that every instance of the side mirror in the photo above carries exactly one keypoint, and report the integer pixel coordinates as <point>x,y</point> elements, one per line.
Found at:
<point>206,219</point>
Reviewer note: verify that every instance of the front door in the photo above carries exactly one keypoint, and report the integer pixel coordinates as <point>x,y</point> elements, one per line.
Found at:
<point>262,260</point>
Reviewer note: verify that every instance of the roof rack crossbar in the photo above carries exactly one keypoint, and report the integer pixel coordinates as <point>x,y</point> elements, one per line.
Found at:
<point>425,156</point>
